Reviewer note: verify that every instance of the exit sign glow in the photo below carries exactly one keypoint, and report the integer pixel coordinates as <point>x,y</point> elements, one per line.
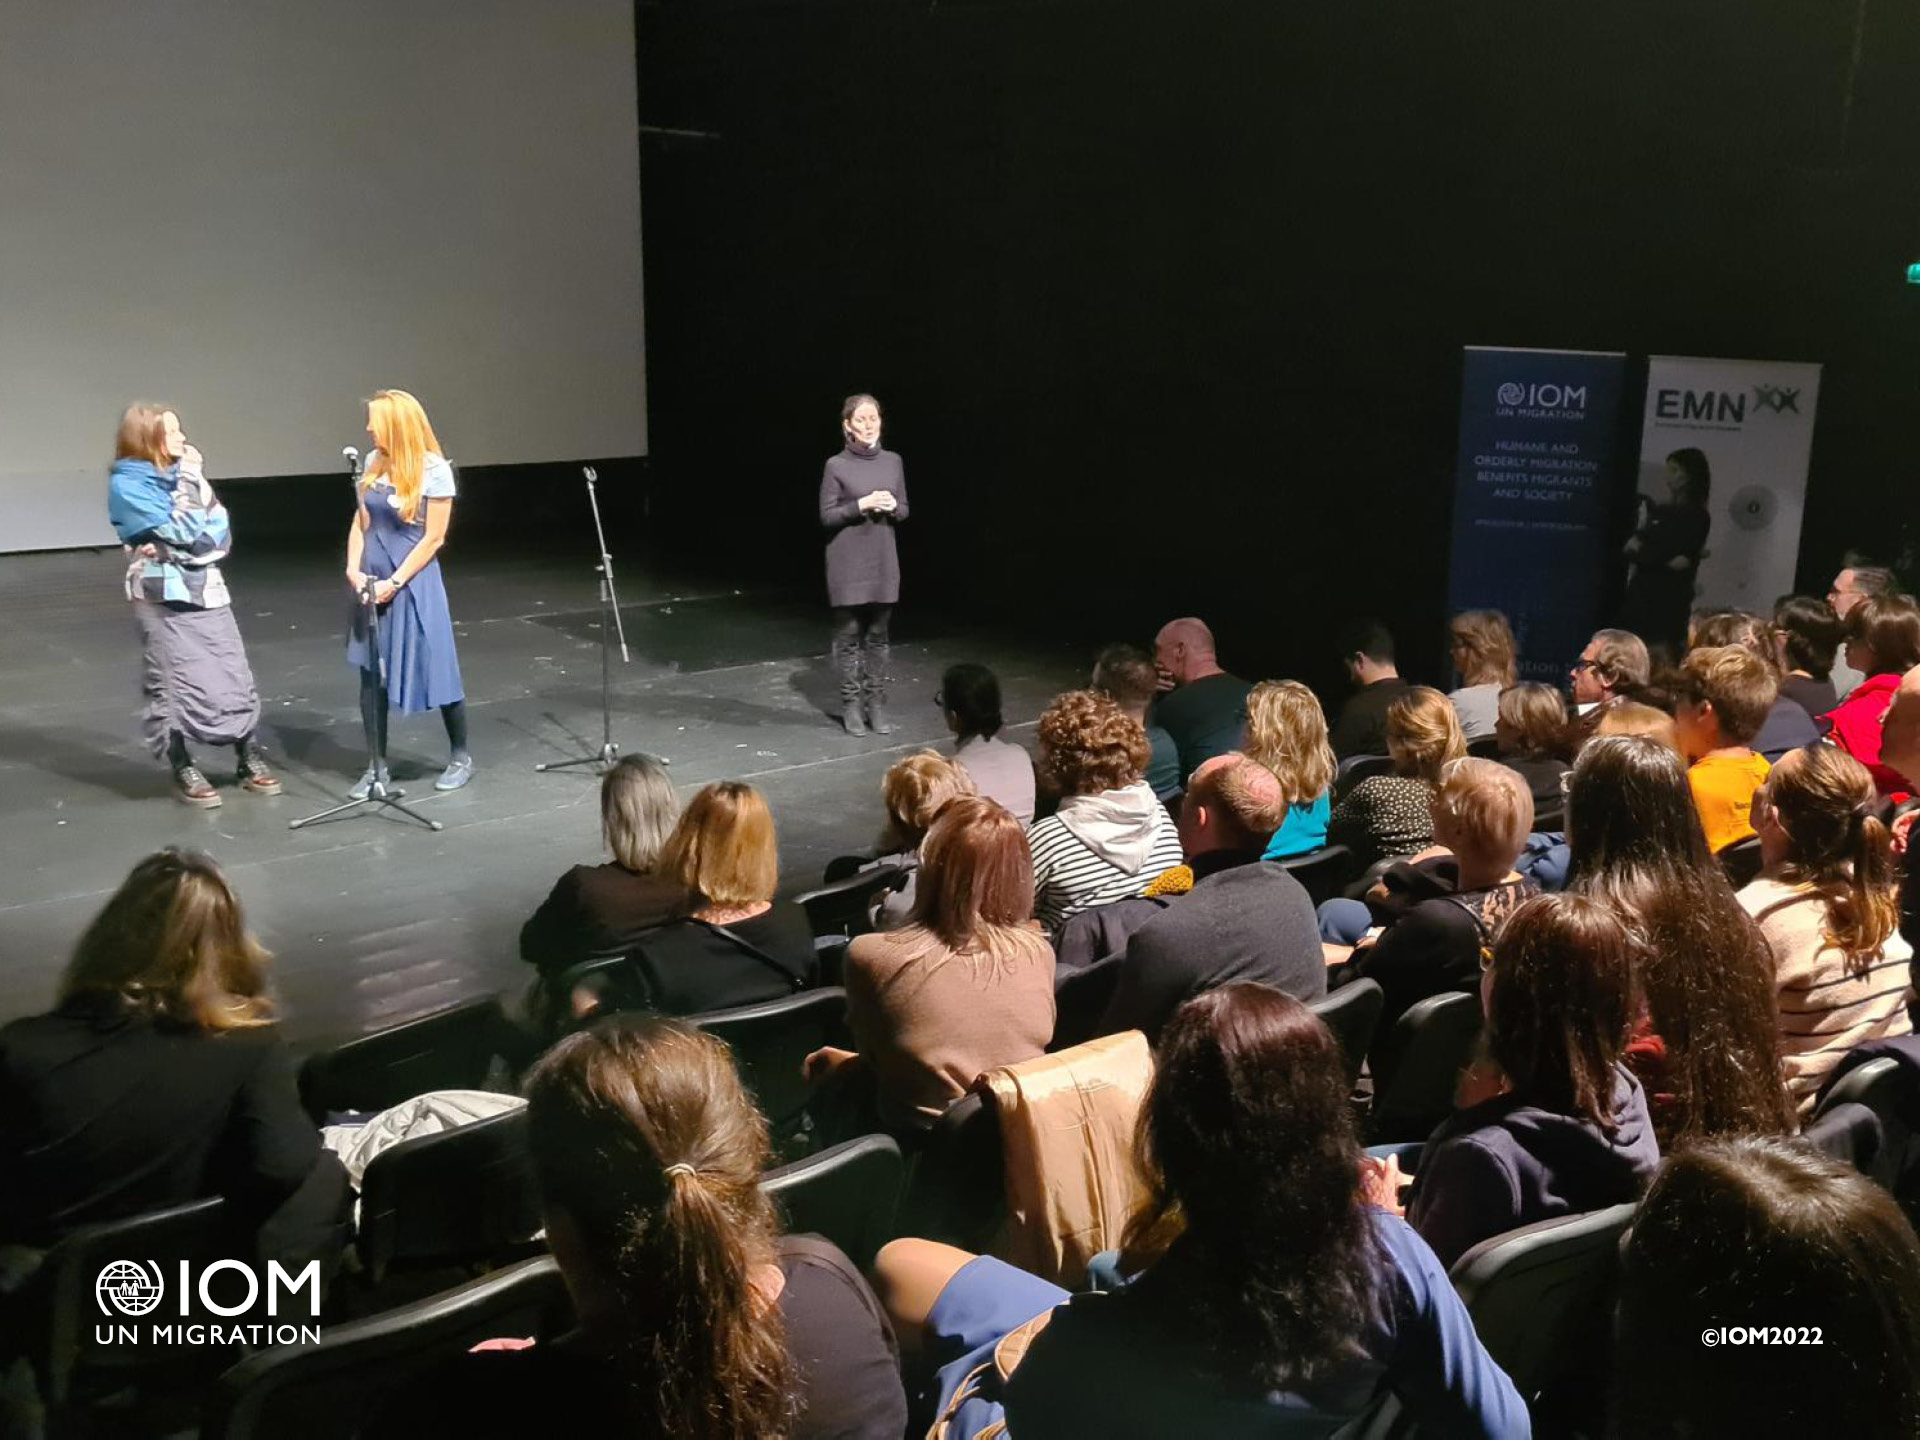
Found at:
<point>1913,273</point>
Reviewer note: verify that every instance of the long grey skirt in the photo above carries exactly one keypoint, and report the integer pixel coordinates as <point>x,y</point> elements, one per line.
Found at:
<point>194,675</point>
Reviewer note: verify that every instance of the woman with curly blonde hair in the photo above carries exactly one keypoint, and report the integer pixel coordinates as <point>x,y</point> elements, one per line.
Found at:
<point>1110,837</point>
<point>1287,733</point>
<point>1388,815</point>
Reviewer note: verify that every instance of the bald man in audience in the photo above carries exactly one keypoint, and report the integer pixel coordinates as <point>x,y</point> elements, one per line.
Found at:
<point>1205,709</point>
<point>1245,918</point>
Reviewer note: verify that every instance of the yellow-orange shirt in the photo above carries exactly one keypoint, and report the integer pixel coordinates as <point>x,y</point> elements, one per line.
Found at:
<point>1723,787</point>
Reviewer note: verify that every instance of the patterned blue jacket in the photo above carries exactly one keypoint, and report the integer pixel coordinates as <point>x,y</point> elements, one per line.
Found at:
<point>176,513</point>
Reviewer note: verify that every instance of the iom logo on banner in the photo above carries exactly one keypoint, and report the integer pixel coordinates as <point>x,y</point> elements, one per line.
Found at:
<point>1541,400</point>
<point>136,1289</point>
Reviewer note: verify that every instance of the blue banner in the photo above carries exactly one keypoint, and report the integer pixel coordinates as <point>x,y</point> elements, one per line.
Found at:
<point>1533,496</point>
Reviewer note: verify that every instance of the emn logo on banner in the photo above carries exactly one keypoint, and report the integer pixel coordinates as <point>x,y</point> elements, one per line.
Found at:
<point>1724,407</point>
<point>136,1289</point>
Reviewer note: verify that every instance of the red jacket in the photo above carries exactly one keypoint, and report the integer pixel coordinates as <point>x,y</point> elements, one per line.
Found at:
<point>1856,723</point>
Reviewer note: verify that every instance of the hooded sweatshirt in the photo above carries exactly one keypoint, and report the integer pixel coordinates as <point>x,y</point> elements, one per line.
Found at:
<point>1098,848</point>
<point>1507,1162</point>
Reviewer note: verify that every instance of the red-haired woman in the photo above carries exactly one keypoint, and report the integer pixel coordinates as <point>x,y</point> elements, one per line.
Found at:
<point>966,986</point>
<point>406,503</point>
<point>196,679</point>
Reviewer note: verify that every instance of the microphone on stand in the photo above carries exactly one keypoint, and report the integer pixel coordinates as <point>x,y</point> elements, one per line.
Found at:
<point>351,454</point>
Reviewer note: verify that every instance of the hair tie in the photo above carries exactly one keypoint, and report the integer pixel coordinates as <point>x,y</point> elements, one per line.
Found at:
<point>680,1168</point>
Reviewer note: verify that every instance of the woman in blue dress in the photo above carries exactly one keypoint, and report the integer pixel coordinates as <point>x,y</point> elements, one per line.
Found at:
<point>406,502</point>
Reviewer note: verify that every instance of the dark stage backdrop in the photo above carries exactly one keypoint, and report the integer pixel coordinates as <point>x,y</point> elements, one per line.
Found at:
<point>1166,300</point>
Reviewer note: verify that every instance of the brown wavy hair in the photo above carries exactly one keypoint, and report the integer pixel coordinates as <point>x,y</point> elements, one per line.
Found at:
<point>1089,744</point>
<point>1485,642</point>
<point>1826,802</point>
<point>915,789</point>
<point>1888,627</point>
<point>974,889</point>
<point>172,944</point>
<point>723,849</point>
<point>1287,733</point>
<point>1423,734</point>
<point>1536,716</point>
<point>644,1141</point>
<point>143,435</point>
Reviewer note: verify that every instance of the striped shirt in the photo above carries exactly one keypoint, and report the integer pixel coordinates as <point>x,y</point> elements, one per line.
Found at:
<point>1824,1007</point>
<point>1070,876</point>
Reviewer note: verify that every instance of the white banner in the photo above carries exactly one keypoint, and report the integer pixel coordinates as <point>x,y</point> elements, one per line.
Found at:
<point>1753,420</point>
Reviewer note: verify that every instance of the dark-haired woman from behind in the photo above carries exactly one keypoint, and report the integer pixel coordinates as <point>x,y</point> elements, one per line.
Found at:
<point>1666,552</point>
<point>1705,1050</point>
<point>1883,643</point>
<point>1762,1232</point>
<point>1566,1129</point>
<point>1284,1298</point>
<point>1808,636</point>
<point>1828,902</point>
<point>159,1078</point>
<point>970,699</point>
<point>694,1316</point>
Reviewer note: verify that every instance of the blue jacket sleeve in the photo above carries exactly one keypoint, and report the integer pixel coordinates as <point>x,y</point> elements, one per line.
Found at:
<point>1461,1195</point>
<point>1439,1368</point>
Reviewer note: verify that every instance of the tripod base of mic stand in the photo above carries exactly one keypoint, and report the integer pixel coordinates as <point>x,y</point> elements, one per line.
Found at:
<point>379,795</point>
<point>606,758</point>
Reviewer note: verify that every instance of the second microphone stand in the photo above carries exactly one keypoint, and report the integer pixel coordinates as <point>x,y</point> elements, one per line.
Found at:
<point>610,627</point>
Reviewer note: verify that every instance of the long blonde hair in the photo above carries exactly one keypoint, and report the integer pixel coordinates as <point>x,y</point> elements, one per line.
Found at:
<point>1287,733</point>
<point>405,436</point>
<point>1423,734</point>
<point>1485,641</point>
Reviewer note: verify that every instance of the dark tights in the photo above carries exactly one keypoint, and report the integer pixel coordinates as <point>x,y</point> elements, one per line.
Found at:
<point>179,757</point>
<point>373,715</point>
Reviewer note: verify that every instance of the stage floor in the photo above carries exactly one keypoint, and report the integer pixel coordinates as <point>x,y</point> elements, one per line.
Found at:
<point>372,918</point>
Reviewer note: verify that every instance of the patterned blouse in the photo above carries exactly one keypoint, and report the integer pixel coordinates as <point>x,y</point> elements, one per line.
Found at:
<point>1383,816</point>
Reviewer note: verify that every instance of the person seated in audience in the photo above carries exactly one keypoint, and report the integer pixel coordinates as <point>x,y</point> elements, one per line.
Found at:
<point>599,910</point>
<point>1126,675</point>
<point>1205,708</point>
<point>1530,721</point>
<point>736,946</point>
<point>1633,717</point>
<point>965,987</point>
<point>1111,837</point>
<point>1857,581</point>
<point>1724,694</point>
<point>1366,650</point>
<point>1787,726</point>
<point>1763,1232</point>
<point>1384,816</point>
<point>1613,666</point>
<point>1557,1126</point>
<point>970,699</point>
<point>1246,918</point>
<point>1440,914</point>
<point>1828,902</point>
<point>1705,1050</point>
<point>693,1315</point>
<point>1287,733</point>
<point>1807,635</point>
<point>1481,646</point>
<point>159,1078</point>
<point>1883,643</point>
<point>915,790</point>
<point>1268,1291</point>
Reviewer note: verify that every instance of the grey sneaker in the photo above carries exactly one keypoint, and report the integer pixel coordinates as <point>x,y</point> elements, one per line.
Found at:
<point>363,787</point>
<point>459,770</point>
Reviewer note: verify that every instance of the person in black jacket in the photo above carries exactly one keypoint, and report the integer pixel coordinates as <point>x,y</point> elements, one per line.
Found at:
<point>1666,551</point>
<point>158,1078</point>
<point>1245,918</point>
<point>1361,728</point>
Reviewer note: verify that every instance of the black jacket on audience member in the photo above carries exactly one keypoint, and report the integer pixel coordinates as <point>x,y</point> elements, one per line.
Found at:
<point>595,911</point>
<point>1362,726</point>
<point>1816,697</point>
<point>1787,727</point>
<point>1245,919</point>
<point>105,1114</point>
<point>691,967</point>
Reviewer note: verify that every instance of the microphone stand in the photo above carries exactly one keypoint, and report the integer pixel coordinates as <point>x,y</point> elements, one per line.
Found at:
<point>610,625</point>
<point>381,793</point>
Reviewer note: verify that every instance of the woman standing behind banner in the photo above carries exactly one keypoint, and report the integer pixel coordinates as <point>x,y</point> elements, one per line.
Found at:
<point>406,502</point>
<point>196,679</point>
<point>863,495</point>
<point>1666,552</point>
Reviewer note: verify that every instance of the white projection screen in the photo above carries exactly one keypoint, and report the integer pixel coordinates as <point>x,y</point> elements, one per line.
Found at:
<point>260,211</point>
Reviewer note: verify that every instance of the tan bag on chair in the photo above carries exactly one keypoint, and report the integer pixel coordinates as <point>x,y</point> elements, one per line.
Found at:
<point>1066,1130</point>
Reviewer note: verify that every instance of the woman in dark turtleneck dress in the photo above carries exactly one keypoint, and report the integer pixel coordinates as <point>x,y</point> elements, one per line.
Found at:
<point>863,495</point>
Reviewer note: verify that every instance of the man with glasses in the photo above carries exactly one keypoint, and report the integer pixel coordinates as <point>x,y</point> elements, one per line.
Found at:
<point>1613,665</point>
<point>1852,585</point>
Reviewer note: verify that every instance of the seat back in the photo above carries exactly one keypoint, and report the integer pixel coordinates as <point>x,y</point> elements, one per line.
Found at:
<point>1431,1044</point>
<point>1487,747</point>
<point>1848,1133</point>
<point>956,1180</point>
<point>69,1299</point>
<point>1541,1298</point>
<point>463,1195</point>
<point>1080,1000</point>
<point>1355,768</point>
<point>771,1041</point>
<point>849,1193</point>
<point>1353,1013</point>
<point>293,1392</point>
<point>1741,860</point>
<point>841,908</point>
<point>450,1049</point>
<point>1892,1092</point>
<point>1324,872</point>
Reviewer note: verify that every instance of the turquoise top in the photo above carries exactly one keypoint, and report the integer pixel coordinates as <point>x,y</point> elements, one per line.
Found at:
<point>1302,832</point>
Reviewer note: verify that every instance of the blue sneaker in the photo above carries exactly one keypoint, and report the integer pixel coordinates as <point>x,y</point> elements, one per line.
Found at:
<point>459,770</point>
